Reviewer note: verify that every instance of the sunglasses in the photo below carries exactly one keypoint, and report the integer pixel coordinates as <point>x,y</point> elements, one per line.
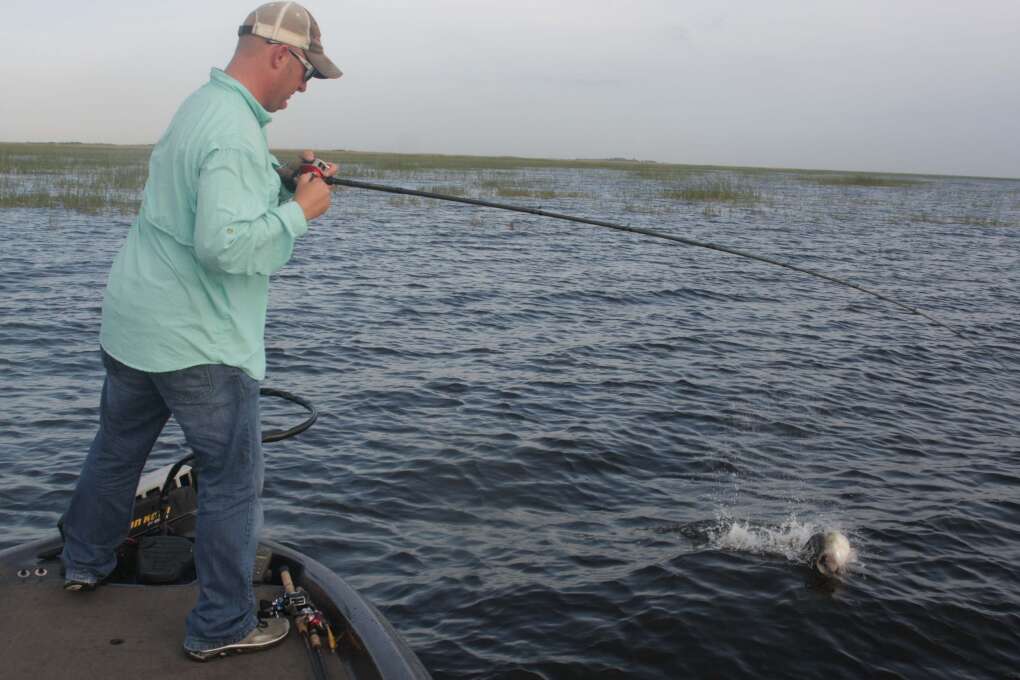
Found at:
<point>309,69</point>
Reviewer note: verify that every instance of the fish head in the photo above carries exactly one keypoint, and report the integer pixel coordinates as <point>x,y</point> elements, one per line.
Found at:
<point>835,554</point>
<point>829,565</point>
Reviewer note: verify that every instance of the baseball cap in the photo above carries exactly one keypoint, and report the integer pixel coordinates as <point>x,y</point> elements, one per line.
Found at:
<point>291,24</point>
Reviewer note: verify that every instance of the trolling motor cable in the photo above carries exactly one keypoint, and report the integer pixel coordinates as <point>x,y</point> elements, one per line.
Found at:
<point>277,435</point>
<point>648,232</point>
<point>267,435</point>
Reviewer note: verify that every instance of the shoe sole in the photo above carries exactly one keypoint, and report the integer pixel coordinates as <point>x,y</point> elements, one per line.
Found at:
<point>232,651</point>
<point>79,587</point>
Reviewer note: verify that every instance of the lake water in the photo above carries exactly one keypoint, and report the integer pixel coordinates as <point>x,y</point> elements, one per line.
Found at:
<point>555,451</point>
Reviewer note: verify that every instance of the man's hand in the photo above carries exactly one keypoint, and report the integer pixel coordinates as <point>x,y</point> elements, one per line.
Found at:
<point>308,157</point>
<point>312,194</point>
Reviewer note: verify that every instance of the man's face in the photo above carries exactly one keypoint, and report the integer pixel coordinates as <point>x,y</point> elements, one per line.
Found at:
<point>290,79</point>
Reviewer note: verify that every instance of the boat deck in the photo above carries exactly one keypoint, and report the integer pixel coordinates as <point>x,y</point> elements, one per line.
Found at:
<point>122,631</point>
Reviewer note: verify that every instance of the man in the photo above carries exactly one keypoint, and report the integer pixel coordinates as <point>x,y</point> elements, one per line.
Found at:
<point>183,321</point>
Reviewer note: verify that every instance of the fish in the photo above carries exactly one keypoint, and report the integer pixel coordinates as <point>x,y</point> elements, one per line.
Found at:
<point>829,553</point>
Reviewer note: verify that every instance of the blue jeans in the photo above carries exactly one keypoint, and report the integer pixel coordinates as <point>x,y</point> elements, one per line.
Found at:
<point>218,409</point>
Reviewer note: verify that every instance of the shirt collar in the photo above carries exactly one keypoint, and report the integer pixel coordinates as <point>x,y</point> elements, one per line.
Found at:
<point>220,77</point>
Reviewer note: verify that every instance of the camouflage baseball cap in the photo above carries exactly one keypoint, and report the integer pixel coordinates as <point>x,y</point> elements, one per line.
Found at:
<point>291,24</point>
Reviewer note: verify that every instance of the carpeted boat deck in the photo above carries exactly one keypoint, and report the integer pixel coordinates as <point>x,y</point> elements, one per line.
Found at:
<point>120,632</point>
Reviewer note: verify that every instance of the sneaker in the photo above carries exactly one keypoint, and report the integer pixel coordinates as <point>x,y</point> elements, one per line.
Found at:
<point>267,633</point>
<point>79,586</point>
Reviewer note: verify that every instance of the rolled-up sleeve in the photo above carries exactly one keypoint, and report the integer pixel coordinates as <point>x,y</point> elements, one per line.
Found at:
<point>239,227</point>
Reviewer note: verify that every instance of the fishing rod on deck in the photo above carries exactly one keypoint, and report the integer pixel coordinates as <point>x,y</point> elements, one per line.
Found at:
<point>319,168</point>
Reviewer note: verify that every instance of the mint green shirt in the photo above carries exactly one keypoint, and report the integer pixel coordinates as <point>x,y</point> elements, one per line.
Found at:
<point>191,282</point>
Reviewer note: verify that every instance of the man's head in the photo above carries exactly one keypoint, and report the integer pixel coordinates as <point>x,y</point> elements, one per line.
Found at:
<point>279,50</point>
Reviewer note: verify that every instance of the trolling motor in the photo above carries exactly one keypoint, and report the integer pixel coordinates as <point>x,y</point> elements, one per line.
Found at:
<point>165,558</point>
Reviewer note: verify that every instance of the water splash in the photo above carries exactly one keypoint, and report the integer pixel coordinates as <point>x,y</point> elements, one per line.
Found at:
<point>785,540</point>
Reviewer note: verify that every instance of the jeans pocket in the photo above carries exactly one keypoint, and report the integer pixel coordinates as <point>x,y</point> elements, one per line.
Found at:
<point>188,385</point>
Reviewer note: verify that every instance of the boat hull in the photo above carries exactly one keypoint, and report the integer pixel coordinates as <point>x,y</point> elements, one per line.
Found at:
<point>134,628</point>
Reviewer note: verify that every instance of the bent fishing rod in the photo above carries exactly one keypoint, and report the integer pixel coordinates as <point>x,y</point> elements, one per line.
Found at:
<point>357,184</point>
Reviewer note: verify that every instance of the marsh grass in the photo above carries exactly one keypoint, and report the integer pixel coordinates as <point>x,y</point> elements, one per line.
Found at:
<point>410,163</point>
<point>718,189</point>
<point>861,180</point>
<point>984,222</point>
<point>97,177</point>
<point>400,201</point>
<point>963,220</point>
<point>59,159</point>
<point>643,207</point>
<point>91,195</point>
<point>674,172</point>
<point>448,189</point>
<point>377,164</point>
<point>662,172</point>
<point>77,177</point>
<point>518,186</point>
<point>547,194</point>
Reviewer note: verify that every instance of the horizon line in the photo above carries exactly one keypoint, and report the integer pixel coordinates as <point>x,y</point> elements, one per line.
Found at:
<point>613,159</point>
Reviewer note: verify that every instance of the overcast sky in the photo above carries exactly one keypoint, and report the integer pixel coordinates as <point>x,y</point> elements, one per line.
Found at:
<point>896,85</point>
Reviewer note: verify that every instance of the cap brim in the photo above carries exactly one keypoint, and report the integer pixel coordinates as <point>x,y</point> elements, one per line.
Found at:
<point>324,68</point>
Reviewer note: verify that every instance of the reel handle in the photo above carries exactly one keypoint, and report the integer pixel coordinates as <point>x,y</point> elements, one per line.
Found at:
<point>316,166</point>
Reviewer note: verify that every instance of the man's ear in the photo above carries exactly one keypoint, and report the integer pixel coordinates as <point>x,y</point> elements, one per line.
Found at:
<point>279,56</point>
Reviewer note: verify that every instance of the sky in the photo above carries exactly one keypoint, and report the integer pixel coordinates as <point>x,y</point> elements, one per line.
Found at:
<point>927,86</point>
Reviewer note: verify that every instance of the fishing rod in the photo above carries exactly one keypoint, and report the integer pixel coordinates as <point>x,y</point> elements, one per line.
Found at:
<point>309,621</point>
<point>357,184</point>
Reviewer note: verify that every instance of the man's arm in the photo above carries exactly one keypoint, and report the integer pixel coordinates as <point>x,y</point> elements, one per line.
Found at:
<point>234,232</point>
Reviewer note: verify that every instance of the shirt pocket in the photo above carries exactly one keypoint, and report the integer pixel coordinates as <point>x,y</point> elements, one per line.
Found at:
<point>272,184</point>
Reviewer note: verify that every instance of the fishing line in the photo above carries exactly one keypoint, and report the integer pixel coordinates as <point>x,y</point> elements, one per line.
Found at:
<point>655,234</point>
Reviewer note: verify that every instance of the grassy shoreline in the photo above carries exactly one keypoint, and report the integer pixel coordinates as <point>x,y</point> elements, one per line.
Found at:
<point>93,178</point>
<point>410,161</point>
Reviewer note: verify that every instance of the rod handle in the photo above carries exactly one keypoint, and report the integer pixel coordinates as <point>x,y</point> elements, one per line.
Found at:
<point>288,583</point>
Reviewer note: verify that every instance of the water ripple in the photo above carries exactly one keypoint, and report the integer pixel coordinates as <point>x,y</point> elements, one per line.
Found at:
<point>557,452</point>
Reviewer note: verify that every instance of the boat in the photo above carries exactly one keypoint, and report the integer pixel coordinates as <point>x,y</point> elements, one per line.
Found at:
<point>133,624</point>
